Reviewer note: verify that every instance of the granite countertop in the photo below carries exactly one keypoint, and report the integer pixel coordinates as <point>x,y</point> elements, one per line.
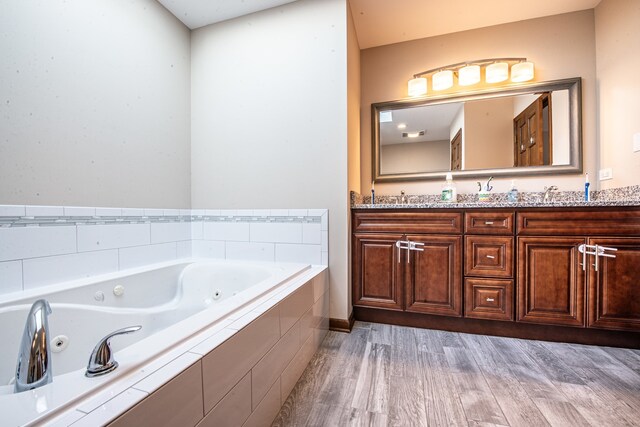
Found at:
<point>444,205</point>
<point>625,196</point>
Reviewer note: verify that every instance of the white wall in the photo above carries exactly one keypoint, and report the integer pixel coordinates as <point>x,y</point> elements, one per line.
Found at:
<point>269,118</point>
<point>618,89</point>
<point>94,104</point>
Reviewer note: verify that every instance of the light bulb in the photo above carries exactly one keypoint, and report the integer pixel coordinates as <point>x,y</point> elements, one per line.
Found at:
<point>497,72</point>
<point>469,75</point>
<point>443,80</point>
<point>522,72</point>
<point>417,86</point>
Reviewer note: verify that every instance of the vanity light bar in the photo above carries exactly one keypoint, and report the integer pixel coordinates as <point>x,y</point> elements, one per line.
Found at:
<point>469,73</point>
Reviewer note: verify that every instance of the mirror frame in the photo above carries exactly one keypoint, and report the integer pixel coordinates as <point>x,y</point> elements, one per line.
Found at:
<point>574,86</point>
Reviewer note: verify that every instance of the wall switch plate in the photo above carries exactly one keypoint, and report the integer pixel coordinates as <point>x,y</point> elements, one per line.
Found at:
<point>636,142</point>
<point>605,174</point>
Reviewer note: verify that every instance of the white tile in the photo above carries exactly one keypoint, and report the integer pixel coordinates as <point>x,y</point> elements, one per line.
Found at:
<point>244,212</point>
<point>324,222</point>
<point>227,212</point>
<point>185,212</point>
<point>154,212</point>
<point>169,371</point>
<point>183,249</point>
<point>10,276</point>
<point>207,249</point>
<point>245,320</point>
<point>44,211</point>
<point>111,236</point>
<point>212,212</point>
<point>144,255</point>
<point>29,242</point>
<point>197,212</point>
<point>12,210</point>
<point>324,241</point>
<point>298,212</point>
<point>279,212</point>
<point>213,341</point>
<point>66,419</point>
<point>325,258</point>
<point>171,212</point>
<point>162,232</point>
<point>276,232</point>
<point>111,409</point>
<point>317,212</point>
<point>309,254</point>
<point>132,212</point>
<point>108,211</point>
<point>250,251</point>
<point>48,270</point>
<point>197,230</point>
<point>235,231</point>
<point>261,212</point>
<point>78,211</point>
<point>311,233</point>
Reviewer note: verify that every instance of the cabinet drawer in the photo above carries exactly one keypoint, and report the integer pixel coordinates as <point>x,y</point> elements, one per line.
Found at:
<point>488,256</point>
<point>494,222</point>
<point>589,222</point>
<point>408,222</point>
<point>488,299</point>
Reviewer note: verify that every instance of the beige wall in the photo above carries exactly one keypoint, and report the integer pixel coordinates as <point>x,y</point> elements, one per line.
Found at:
<point>415,157</point>
<point>94,108</point>
<point>561,46</point>
<point>353,123</point>
<point>488,126</point>
<point>269,118</point>
<point>617,24</point>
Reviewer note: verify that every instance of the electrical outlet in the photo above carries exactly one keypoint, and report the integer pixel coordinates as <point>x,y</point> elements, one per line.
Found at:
<point>636,142</point>
<point>605,174</point>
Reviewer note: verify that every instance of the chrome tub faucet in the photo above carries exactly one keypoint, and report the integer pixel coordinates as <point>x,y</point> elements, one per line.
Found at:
<point>33,368</point>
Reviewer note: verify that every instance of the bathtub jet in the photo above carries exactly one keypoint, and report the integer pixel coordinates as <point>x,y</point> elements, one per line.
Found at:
<point>33,368</point>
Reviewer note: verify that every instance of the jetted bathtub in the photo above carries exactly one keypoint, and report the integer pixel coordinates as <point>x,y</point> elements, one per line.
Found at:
<point>173,302</point>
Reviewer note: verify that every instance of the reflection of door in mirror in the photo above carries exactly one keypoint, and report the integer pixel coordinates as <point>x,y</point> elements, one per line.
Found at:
<point>456,151</point>
<point>532,134</point>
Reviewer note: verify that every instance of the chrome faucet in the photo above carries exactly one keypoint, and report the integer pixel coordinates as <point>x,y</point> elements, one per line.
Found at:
<point>101,361</point>
<point>403,198</point>
<point>547,193</point>
<point>33,369</point>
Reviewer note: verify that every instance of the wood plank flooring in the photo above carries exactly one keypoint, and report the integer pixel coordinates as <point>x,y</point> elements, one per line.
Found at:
<point>382,375</point>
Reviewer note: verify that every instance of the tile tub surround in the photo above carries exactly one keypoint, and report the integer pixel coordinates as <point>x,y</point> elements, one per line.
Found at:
<point>242,370</point>
<point>625,196</point>
<point>43,245</point>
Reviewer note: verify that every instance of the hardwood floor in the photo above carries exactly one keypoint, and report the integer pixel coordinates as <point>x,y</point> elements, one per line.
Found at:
<point>382,375</point>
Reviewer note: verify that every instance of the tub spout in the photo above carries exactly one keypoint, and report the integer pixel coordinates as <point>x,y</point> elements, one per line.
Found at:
<point>101,361</point>
<point>34,358</point>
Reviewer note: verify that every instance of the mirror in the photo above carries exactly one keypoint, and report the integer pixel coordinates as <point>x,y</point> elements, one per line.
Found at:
<point>530,129</point>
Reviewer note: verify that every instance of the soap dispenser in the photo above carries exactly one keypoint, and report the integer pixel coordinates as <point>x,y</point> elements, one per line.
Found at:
<point>512,195</point>
<point>449,193</point>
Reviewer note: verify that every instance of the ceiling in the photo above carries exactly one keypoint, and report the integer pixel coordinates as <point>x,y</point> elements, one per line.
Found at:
<point>381,22</point>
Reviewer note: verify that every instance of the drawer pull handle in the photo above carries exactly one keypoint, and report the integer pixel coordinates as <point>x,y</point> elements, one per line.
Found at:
<point>490,257</point>
<point>488,223</point>
<point>490,300</point>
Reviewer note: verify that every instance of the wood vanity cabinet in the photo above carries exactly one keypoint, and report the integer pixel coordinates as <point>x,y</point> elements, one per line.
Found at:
<point>425,280</point>
<point>560,285</point>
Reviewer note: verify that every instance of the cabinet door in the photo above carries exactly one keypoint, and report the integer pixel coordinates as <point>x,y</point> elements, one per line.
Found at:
<point>433,279</point>
<point>614,290</point>
<point>551,281</point>
<point>377,272</point>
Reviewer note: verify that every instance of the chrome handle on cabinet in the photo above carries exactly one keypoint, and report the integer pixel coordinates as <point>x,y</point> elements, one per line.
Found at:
<point>490,300</point>
<point>583,251</point>
<point>490,257</point>
<point>488,223</point>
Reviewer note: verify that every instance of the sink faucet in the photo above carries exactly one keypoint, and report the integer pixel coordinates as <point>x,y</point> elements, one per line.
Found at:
<point>33,369</point>
<point>403,198</point>
<point>547,193</point>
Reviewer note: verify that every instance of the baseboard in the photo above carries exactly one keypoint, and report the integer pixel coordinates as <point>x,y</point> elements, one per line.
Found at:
<point>341,325</point>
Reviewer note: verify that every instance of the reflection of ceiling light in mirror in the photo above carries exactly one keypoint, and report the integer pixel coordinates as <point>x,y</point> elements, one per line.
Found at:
<point>386,117</point>
<point>522,72</point>
<point>497,72</point>
<point>442,80</point>
<point>417,86</point>
<point>402,126</point>
<point>469,75</point>
<point>412,134</point>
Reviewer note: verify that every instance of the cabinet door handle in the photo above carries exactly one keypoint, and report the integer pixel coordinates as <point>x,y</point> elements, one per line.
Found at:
<point>581,248</point>
<point>488,223</point>
<point>490,300</point>
<point>490,257</point>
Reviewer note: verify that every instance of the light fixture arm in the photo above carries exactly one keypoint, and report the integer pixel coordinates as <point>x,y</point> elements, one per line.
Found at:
<point>475,62</point>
